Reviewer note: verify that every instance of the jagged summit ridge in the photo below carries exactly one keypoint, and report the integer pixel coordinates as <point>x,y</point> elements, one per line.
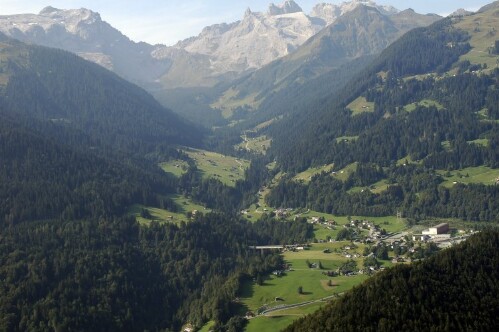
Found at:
<point>460,12</point>
<point>288,7</point>
<point>220,51</point>
<point>330,12</point>
<point>257,39</point>
<point>49,18</point>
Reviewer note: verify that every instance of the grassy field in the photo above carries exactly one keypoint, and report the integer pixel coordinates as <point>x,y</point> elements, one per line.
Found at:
<point>360,105</point>
<point>379,186</point>
<point>175,167</point>
<point>270,324</point>
<point>163,216</point>
<point>408,160</point>
<point>376,188</point>
<point>344,173</point>
<point>279,320</point>
<point>305,176</point>
<point>424,103</point>
<point>480,174</point>
<point>257,145</point>
<point>390,223</point>
<point>207,327</point>
<point>341,174</point>
<point>446,145</point>
<point>313,282</point>
<point>230,101</point>
<point>481,141</point>
<point>214,165</point>
<point>255,211</point>
<point>482,29</point>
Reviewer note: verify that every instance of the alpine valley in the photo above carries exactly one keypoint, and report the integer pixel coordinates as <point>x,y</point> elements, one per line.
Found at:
<point>336,170</point>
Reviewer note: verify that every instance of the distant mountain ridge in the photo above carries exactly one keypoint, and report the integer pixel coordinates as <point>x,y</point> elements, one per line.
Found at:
<point>220,51</point>
<point>54,85</point>
<point>83,32</point>
<point>363,31</point>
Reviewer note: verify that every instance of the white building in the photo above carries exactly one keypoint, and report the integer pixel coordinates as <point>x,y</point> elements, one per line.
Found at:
<point>438,229</point>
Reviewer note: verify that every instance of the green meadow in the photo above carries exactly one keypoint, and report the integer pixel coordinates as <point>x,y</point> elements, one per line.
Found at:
<point>211,165</point>
<point>279,320</point>
<point>481,174</point>
<point>481,27</point>
<point>423,103</point>
<point>360,105</point>
<point>175,167</point>
<point>185,205</point>
<point>306,175</point>
<point>279,291</point>
<point>258,144</point>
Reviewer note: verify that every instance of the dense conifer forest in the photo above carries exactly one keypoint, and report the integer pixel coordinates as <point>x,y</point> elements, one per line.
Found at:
<point>110,274</point>
<point>440,136</point>
<point>78,147</point>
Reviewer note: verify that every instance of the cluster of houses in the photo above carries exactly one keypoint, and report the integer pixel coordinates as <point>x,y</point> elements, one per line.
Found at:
<point>376,233</point>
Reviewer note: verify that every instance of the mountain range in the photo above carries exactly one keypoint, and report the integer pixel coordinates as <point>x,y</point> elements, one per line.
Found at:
<point>359,32</point>
<point>219,52</point>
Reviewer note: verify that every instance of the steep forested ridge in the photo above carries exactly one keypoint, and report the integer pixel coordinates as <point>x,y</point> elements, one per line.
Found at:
<point>426,107</point>
<point>113,275</point>
<point>77,141</point>
<point>316,143</point>
<point>57,86</point>
<point>44,179</point>
<point>78,147</point>
<point>455,290</point>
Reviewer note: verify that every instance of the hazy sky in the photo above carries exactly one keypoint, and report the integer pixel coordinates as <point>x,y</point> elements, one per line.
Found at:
<point>167,21</point>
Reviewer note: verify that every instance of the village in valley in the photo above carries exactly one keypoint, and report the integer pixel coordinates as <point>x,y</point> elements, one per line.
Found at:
<point>345,252</point>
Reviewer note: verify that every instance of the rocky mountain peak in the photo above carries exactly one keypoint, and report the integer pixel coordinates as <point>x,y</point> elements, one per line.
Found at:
<point>73,15</point>
<point>48,10</point>
<point>460,12</point>
<point>288,7</point>
<point>330,12</point>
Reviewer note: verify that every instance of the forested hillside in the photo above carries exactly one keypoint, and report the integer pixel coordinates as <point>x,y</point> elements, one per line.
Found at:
<point>78,147</point>
<point>44,179</point>
<point>453,291</point>
<point>418,52</point>
<point>54,85</point>
<point>110,274</point>
<point>417,113</point>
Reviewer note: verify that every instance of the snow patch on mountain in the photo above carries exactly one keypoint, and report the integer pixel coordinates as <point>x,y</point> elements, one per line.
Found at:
<point>330,12</point>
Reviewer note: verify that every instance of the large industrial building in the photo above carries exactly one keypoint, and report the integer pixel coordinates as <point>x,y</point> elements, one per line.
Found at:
<point>439,229</point>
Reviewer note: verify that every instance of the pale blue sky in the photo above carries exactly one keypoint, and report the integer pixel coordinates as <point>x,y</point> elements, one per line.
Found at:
<point>168,21</point>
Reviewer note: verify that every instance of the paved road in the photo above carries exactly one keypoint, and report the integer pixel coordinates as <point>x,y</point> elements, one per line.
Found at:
<point>290,306</point>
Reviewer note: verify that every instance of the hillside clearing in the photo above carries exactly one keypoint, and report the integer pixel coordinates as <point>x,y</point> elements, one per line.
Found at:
<point>360,105</point>
<point>482,174</point>
<point>215,165</point>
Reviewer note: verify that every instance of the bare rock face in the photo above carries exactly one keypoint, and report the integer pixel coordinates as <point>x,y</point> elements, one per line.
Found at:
<point>83,32</point>
<point>330,12</point>
<point>288,7</point>
<point>254,41</point>
<point>260,38</point>
<point>460,12</point>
